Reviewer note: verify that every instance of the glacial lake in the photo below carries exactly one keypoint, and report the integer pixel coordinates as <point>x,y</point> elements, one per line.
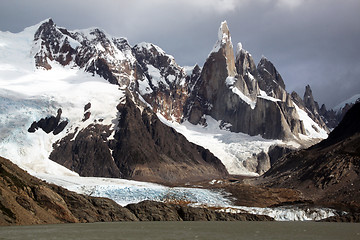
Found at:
<point>186,230</point>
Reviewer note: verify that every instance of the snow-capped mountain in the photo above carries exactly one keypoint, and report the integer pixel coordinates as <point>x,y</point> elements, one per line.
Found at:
<point>248,99</point>
<point>99,106</point>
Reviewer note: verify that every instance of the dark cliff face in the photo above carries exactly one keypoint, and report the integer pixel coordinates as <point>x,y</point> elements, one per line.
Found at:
<point>143,148</point>
<point>87,153</point>
<point>270,80</point>
<point>327,172</point>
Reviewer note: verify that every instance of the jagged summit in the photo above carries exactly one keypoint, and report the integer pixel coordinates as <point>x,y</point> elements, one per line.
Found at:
<point>224,47</point>
<point>224,37</point>
<point>309,100</point>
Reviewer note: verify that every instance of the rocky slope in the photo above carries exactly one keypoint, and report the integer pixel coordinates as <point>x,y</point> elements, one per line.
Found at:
<point>26,200</point>
<point>328,172</point>
<point>142,148</point>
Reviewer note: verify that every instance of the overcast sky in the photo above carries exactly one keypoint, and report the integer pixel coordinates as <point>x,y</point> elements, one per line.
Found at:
<point>312,42</point>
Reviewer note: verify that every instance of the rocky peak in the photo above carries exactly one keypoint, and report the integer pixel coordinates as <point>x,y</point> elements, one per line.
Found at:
<point>224,38</point>
<point>312,108</point>
<point>91,49</point>
<point>298,100</point>
<point>267,66</point>
<point>309,100</point>
<point>46,30</point>
<point>322,110</point>
<point>52,45</point>
<point>224,46</point>
<point>122,44</point>
<point>161,81</point>
<point>244,61</point>
<point>149,54</point>
<point>247,72</point>
<point>270,80</point>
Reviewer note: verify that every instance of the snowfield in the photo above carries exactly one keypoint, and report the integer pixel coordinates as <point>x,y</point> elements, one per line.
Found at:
<point>231,148</point>
<point>28,94</point>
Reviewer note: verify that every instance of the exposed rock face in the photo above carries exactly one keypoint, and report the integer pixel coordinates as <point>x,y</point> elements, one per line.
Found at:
<point>49,124</point>
<point>312,107</point>
<point>143,148</point>
<point>108,57</point>
<point>309,101</point>
<point>160,154</point>
<point>247,72</point>
<point>327,172</point>
<point>277,151</point>
<point>330,117</point>
<point>92,50</point>
<point>163,83</point>
<point>298,100</point>
<point>326,119</point>
<point>53,45</point>
<point>88,153</point>
<point>145,68</point>
<point>258,163</point>
<point>350,217</point>
<point>270,80</point>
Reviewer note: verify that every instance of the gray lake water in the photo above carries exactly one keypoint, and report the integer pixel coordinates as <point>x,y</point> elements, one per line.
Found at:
<point>186,230</point>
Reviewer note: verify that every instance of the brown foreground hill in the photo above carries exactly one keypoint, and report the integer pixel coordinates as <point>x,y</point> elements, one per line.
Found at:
<point>26,200</point>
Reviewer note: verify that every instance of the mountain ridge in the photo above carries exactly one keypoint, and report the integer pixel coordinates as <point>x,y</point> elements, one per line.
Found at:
<point>227,90</point>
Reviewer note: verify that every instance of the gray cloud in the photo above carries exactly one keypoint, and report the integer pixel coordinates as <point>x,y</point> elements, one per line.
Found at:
<point>310,41</point>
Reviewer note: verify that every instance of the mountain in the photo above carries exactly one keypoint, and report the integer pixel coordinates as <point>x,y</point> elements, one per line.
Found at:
<point>328,172</point>
<point>250,99</point>
<point>101,107</point>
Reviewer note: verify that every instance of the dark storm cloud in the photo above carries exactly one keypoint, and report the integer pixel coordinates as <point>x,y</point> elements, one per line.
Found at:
<point>310,41</point>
